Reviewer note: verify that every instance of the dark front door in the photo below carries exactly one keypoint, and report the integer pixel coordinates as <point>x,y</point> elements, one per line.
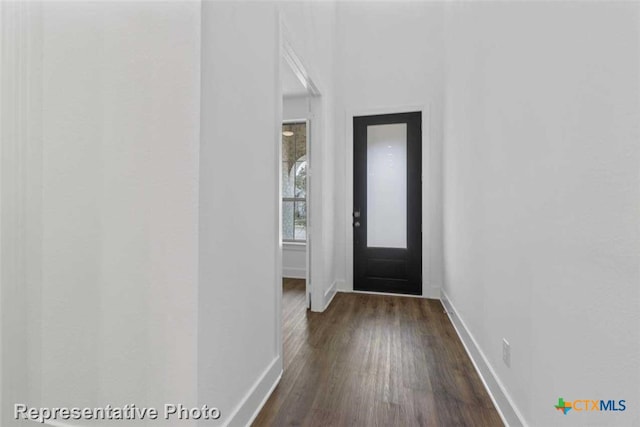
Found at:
<point>387,203</point>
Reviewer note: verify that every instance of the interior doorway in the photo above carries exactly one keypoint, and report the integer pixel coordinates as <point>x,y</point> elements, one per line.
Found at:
<point>299,142</point>
<point>295,190</point>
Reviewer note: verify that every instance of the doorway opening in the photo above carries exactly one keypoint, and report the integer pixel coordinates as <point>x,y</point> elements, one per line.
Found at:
<point>298,154</point>
<point>295,167</point>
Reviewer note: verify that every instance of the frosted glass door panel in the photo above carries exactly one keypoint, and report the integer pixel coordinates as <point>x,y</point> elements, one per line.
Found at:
<point>387,186</point>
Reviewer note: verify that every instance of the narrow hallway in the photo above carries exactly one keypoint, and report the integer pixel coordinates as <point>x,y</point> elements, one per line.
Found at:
<point>373,360</point>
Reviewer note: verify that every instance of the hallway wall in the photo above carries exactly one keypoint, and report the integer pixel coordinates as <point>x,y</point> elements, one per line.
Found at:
<point>119,202</point>
<point>118,228</point>
<point>238,214</point>
<point>541,196</point>
<point>106,199</point>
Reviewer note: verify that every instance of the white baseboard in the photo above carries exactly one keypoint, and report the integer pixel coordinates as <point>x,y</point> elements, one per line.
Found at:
<point>247,411</point>
<point>508,411</point>
<point>294,273</point>
<point>329,294</point>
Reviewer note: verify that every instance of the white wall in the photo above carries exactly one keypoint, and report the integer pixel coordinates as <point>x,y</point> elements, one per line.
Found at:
<point>390,55</point>
<point>111,204</point>
<point>125,230</point>
<point>16,118</point>
<point>295,107</point>
<point>541,199</point>
<point>237,305</point>
<point>3,93</point>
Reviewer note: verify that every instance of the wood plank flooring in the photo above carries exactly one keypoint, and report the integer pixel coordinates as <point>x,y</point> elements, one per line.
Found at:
<point>372,360</point>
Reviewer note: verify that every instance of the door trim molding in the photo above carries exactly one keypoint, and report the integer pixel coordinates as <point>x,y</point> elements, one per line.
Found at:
<point>427,290</point>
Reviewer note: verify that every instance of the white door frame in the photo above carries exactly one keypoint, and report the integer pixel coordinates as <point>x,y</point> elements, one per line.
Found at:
<point>426,188</point>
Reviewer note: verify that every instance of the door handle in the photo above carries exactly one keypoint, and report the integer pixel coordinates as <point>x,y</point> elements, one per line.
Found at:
<point>356,214</point>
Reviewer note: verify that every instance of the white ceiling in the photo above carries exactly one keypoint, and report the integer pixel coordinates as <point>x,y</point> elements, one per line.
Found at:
<point>291,86</point>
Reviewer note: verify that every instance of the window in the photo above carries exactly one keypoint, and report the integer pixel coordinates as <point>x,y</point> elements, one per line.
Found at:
<point>294,182</point>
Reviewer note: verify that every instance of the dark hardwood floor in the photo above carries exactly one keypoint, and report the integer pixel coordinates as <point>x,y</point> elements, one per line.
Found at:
<point>372,360</point>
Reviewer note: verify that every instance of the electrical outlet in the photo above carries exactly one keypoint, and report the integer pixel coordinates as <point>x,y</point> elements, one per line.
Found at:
<point>506,352</point>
